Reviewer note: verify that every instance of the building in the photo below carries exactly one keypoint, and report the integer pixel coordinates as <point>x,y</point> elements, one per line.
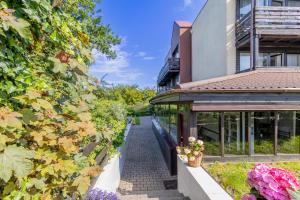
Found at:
<point>178,66</point>
<point>243,99</point>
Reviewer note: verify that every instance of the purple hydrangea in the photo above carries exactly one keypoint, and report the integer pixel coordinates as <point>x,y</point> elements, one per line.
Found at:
<point>98,194</point>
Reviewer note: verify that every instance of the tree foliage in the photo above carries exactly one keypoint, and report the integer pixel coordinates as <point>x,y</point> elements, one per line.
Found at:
<point>131,95</point>
<point>46,96</point>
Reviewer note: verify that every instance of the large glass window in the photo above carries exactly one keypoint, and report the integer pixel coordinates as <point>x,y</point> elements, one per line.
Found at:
<point>173,122</point>
<point>208,124</point>
<point>276,59</point>
<point>236,141</point>
<point>293,60</point>
<point>270,59</point>
<point>245,7</point>
<point>244,61</point>
<point>289,132</point>
<point>262,135</point>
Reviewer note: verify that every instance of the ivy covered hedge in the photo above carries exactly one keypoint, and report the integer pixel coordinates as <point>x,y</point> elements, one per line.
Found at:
<point>47,98</point>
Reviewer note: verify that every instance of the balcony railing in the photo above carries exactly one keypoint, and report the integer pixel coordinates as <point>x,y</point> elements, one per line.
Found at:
<point>277,20</point>
<point>270,20</point>
<point>243,27</point>
<point>172,66</point>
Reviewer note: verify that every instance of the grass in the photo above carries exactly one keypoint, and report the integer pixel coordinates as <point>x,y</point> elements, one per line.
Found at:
<point>233,176</point>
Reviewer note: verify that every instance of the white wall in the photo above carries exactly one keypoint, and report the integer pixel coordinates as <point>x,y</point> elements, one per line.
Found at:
<point>109,179</point>
<point>197,184</point>
<point>213,40</point>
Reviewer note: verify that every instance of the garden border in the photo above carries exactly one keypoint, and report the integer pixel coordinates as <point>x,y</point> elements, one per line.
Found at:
<point>196,183</point>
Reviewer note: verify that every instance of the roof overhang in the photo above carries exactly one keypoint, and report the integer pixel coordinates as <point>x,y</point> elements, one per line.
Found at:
<point>233,100</point>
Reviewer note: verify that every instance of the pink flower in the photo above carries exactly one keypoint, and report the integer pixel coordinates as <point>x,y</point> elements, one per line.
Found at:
<point>248,197</point>
<point>272,183</point>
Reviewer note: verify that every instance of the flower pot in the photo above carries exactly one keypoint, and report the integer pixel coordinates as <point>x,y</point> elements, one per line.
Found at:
<point>196,162</point>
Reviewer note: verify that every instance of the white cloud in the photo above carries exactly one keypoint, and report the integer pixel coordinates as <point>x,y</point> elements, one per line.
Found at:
<point>143,55</point>
<point>149,58</point>
<point>187,2</point>
<point>118,70</point>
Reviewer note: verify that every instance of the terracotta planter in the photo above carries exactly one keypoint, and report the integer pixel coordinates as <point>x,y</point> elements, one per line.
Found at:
<point>197,162</point>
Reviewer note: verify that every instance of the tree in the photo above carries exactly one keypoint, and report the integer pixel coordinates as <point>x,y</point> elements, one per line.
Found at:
<point>46,95</point>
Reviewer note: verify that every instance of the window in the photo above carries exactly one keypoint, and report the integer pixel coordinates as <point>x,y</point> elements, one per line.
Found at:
<point>263,2</point>
<point>277,3</point>
<point>236,141</point>
<point>208,124</point>
<point>293,60</point>
<point>244,61</point>
<point>276,60</point>
<point>288,132</point>
<point>262,134</point>
<point>294,3</point>
<point>245,7</point>
<point>270,59</point>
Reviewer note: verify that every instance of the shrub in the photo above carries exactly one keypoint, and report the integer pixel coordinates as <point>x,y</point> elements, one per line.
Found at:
<point>272,183</point>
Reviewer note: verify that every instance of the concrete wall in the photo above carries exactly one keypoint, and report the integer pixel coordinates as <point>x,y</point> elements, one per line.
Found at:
<point>213,40</point>
<point>109,179</point>
<point>197,184</point>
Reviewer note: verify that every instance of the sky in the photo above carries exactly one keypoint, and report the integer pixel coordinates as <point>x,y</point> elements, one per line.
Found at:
<point>145,27</point>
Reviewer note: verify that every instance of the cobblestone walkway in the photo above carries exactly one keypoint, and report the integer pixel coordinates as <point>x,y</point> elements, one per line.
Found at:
<point>144,169</point>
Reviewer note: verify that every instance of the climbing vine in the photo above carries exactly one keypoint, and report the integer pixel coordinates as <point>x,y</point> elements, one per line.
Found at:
<point>46,96</point>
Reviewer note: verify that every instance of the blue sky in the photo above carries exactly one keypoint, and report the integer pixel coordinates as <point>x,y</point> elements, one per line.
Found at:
<point>145,27</point>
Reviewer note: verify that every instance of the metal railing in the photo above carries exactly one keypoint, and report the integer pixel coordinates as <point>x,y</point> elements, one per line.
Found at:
<point>243,26</point>
<point>171,65</point>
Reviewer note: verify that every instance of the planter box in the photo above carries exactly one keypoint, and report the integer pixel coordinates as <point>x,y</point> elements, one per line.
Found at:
<point>197,184</point>
<point>109,179</point>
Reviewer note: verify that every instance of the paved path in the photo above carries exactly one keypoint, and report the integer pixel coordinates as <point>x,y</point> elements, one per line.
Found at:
<point>144,169</point>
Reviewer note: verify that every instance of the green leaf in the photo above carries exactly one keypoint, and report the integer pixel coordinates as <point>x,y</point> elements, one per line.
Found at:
<point>18,24</point>
<point>15,159</point>
<point>3,140</point>
<point>28,116</point>
<point>58,66</point>
<point>38,183</point>
<point>78,67</point>
<point>41,103</point>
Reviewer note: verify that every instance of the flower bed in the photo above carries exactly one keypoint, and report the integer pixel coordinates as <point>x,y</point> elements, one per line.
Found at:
<point>233,176</point>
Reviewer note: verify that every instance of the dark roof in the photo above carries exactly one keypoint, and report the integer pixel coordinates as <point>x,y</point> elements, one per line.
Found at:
<point>267,79</point>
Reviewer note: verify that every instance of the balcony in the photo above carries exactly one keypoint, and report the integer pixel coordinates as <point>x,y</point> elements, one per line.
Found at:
<point>270,21</point>
<point>171,67</point>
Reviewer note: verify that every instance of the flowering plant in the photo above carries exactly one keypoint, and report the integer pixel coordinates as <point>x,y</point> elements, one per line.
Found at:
<point>98,194</point>
<point>193,150</point>
<point>271,183</point>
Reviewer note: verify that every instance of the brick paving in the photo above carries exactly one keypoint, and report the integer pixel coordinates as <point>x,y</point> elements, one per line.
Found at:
<point>144,169</point>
